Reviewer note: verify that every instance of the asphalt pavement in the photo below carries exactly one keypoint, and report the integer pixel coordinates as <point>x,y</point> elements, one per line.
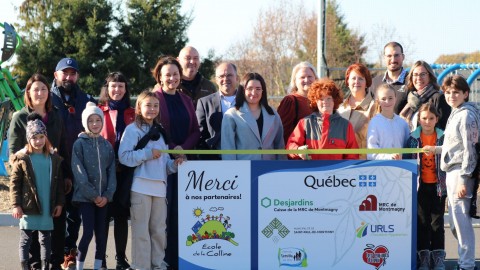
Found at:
<point>9,236</point>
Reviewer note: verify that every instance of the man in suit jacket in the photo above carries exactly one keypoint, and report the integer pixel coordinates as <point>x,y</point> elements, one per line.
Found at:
<point>210,109</point>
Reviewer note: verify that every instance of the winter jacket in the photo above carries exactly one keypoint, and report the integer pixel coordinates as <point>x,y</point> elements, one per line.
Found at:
<point>203,88</point>
<point>359,117</point>
<point>319,131</point>
<point>240,132</point>
<point>292,108</point>
<point>23,191</point>
<point>17,138</point>
<point>142,159</point>
<point>414,141</point>
<point>71,113</point>
<point>439,102</point>
<point>399,86</point>
<point>109,132</point>
<point>194,130</point>
<point>93,166</point>
<point>461,135</point>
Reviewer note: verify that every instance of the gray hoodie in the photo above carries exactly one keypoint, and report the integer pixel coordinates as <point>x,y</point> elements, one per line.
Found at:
<point>93,166</point>
<point>461,134</point>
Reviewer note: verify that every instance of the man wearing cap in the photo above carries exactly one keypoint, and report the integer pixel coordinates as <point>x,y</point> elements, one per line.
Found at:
<point>70,101</point>
<point>193,84</point>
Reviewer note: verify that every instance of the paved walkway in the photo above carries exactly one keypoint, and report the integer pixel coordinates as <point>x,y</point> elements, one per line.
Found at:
<point>9,249</point>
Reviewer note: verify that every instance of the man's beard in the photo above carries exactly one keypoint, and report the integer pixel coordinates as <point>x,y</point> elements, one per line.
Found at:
<point>66,86</point>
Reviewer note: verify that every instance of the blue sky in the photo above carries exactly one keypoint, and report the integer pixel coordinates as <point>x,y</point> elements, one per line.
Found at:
<point>428,28</point>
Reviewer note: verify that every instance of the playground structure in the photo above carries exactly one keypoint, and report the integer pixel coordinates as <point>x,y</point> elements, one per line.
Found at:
<point>11,96</point>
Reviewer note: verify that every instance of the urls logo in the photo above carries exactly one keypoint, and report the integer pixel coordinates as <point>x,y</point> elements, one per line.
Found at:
<point>363,230</point>
<point>367,180</point>
<point>369,204</point>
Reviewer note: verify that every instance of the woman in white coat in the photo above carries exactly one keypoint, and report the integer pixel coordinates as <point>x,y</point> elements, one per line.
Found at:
<point>252,124</point>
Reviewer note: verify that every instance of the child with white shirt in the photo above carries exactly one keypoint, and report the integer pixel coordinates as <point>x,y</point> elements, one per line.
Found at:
<point>148,209</point>
<point>386,129</point>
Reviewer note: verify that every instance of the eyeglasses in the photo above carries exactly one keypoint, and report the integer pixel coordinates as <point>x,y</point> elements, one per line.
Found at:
<point>223,76</point>
<point>421,75</point>
<point>393,55</point>
<point>251,89</point>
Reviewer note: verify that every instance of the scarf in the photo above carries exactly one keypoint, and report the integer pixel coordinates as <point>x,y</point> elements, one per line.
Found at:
<point>414,101</point>
<point>119,106</point>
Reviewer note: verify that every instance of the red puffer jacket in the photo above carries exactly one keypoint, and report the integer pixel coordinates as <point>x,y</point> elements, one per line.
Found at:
<point>324,132</point>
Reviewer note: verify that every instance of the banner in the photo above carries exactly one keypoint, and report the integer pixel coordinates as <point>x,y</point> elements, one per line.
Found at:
<point>214,214</point>
<point>297,214</point>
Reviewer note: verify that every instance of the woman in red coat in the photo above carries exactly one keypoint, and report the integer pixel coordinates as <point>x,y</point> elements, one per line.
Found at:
<point>118,113</point>
<point>295,106</point>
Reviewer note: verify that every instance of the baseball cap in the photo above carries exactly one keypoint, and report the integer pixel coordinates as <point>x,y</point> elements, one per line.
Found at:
<point>67,63</point>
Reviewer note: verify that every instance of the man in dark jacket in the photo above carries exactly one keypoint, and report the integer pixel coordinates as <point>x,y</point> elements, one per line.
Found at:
<point>210,109</point>
<point>70,101</point>
<point>193,84</point>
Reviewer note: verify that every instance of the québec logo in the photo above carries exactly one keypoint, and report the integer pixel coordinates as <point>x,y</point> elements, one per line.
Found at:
<point>367,180</point>
<point>375,255</point>
<point>369,204</point>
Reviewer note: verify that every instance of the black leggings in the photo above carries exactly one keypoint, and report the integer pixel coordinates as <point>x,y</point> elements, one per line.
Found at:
<point>120,227</point>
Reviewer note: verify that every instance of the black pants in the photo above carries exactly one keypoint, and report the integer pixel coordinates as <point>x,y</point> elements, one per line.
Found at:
<point>57,244</point>
<point>93,220</point>
<point>73,223</point>
<point>44,238</point>
<point>120,227</point>
<point>430,222</point>
<point>171,253</point>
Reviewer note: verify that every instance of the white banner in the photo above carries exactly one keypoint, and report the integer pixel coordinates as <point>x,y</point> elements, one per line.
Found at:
<point>297,214</point>
<point>214,214</point>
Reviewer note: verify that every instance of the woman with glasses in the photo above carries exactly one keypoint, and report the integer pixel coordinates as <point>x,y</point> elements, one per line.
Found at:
<point>295,106</point>
<point>118,113</point>
<point>422,88</point>
<point>252,124</point>
<point>324,128</point>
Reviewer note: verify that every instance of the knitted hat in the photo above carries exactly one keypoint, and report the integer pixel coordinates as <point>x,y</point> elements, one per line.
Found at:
<point>90,110</point>
<point>35,126</point>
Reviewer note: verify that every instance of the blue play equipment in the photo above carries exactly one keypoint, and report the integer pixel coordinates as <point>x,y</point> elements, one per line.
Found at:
<point>449,68</point>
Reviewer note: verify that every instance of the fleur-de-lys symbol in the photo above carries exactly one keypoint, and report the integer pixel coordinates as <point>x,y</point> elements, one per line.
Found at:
<point>376,256</point>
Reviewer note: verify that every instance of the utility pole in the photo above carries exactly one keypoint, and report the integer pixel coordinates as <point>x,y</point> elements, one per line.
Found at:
<point>321,30</point>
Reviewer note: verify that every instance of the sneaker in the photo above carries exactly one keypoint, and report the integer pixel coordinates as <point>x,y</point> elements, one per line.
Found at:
<point>69,260</point>
<point>122,264</point>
